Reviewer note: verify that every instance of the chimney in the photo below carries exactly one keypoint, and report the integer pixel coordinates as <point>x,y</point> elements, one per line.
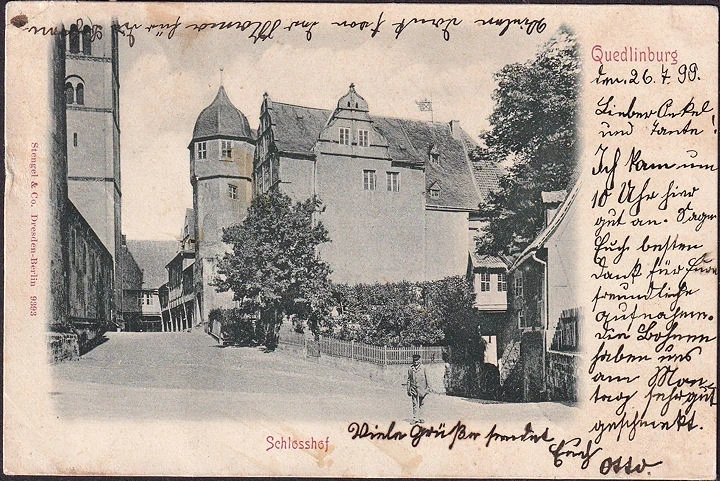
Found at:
<point>124,240</point>
<point>455,129</point>
<point>551,201</point>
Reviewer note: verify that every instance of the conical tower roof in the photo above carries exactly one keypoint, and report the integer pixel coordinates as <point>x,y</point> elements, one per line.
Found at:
<point>221,119</point>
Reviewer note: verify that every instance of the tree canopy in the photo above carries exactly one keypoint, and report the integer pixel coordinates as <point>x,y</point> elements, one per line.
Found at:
<point>274,265</point>
<point>534,125</point>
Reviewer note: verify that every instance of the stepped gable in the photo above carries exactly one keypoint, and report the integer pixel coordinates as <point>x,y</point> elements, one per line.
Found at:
<point>296,130</point>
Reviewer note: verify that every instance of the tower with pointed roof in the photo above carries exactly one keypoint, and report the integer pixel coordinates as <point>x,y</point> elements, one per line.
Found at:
<point>221,163</point>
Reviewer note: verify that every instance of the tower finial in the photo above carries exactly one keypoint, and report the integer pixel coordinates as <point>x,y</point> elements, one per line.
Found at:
<point>352,86</point>
<point>221,76</point>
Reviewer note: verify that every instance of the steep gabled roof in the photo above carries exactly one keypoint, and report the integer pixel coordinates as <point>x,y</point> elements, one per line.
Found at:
<point>487,176</point>
<point>486,261</point>
<point>152,256</point>
<point>221,119</point>
<point>296,129</point>
<point>556,221</point>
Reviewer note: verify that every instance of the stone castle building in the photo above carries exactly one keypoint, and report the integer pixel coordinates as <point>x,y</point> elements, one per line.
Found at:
<point>221,162</point>
<point>400,196</point>
<point>397,193</point>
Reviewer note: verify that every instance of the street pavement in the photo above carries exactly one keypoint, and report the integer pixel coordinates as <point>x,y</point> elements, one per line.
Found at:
<point>186,375</point>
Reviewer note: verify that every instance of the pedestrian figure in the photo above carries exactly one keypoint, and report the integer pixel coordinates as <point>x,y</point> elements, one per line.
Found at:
<point>417,387</point>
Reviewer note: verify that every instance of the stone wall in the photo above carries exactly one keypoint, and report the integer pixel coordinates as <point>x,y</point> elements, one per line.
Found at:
<point>561,376</point>
<point>62,347</point>
<point>478,380</point>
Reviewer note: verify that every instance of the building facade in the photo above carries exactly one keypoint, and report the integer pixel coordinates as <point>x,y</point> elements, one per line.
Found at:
<point>539,345</point>
<point>152,257</point>
<point>83,291</point>
<point>221,162</point>
<point>132,281</point>
<point>177,298</point>
<point>396,193</point>
<point>92,89</point>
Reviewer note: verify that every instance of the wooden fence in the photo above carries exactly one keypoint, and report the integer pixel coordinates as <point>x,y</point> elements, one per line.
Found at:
<point>361,351</point>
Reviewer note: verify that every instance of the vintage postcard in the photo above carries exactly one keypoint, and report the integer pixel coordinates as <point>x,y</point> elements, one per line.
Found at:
<point>361,240</point>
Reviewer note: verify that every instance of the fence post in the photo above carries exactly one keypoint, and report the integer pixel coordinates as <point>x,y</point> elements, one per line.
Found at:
<point>352,350</point>
<point>385,355</point>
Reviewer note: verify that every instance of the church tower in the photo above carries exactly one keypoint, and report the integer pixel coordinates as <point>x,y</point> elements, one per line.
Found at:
<point>92,92</point>
<point>221,160</point>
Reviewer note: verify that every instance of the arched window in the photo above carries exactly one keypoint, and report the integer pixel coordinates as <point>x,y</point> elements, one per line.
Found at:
<point>80,94</point>
<point>69,93</point>
<point>86,42</point>
<point>74,39</point>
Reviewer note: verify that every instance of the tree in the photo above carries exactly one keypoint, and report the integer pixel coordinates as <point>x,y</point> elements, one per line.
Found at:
<point>451,301</point>
<point>274,267</point>
<point>534,125</point>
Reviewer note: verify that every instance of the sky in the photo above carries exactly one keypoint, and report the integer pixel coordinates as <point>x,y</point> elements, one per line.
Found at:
<point>165,83</point>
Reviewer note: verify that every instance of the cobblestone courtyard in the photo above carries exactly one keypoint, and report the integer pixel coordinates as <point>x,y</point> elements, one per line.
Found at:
<point>188,376</point>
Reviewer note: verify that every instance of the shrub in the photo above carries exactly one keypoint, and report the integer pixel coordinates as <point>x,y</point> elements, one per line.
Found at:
<point>237,328</point>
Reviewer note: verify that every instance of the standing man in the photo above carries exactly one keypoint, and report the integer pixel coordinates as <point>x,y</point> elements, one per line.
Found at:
<point>417,387</point>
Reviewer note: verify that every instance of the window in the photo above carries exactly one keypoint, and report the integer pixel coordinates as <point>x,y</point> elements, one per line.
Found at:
<point>502,282</point>
<point>80,94</point>
<point>232,191</point>
<point>225,149</point>
<point>74,39</point>
<point>393,181</point>
<point>484,282</point>
<point>86,41</point>
<point>369,179</point>
<point>521,318</point>
<point>266,175</point>
<point>363,138</point>
<point>201,151</point>
<point>74,139</point>
<point>259,180</point>
<point>518,285</point>
<point>435,193</point>
<point>69,93</point>
<point>344,136</point>
<point>566,336</point>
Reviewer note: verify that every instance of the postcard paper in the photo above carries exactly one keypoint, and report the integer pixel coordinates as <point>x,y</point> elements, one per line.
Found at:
<point>360,240</point>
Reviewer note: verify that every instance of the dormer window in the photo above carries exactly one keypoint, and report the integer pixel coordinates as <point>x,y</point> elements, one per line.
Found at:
<point>363,137</point>
<point>435,193</point>
<point>344,136</point>
<point>433,154</point>
<point>201,150</point>
<point>225,149</point>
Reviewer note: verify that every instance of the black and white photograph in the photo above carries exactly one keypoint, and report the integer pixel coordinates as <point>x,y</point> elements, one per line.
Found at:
<point>345,239</point>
